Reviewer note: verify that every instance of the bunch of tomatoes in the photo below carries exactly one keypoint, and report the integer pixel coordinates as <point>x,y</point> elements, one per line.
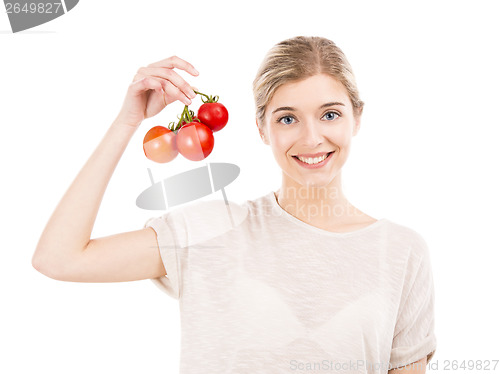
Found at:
<point>192,136</point>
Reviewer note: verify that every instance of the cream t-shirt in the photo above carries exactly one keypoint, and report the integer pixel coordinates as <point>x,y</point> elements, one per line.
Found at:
<point>261,291</point>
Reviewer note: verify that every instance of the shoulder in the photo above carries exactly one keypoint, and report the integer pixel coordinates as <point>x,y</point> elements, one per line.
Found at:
<point>211,211</point>
<point>204,220</point>
<point>404,237</point>
<point>409,255</point>
<point>262,205</point>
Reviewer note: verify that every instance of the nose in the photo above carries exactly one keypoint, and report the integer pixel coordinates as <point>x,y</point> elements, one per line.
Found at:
<point>311,134</point>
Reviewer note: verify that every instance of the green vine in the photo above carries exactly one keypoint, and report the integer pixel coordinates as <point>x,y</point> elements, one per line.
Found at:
<point>209,99</point>
<point>187,115</point>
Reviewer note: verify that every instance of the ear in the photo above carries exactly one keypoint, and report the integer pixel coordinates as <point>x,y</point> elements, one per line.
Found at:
<point>261,132</point>
<point>357,122</point>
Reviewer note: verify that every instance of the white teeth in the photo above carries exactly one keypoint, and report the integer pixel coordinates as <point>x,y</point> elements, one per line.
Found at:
<point>309,160</point>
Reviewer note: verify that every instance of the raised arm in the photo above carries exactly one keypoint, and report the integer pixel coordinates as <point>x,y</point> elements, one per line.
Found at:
<point>65,250</point>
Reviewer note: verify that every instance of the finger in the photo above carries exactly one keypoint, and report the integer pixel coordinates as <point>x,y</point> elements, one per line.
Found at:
<point>162,86</point>
<point>175,62</point>
<point>145,84</point>
<point>172,76</point>
<point>174,93</point>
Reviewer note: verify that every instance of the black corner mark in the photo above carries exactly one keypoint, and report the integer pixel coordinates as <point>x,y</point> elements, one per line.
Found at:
<point>26,14</point>
<point>70,4</point>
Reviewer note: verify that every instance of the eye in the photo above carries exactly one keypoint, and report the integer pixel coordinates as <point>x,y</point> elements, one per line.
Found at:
<point>330,116</point>
<point>286,120</point>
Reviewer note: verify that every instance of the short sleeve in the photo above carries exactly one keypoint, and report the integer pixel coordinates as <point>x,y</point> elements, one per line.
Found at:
<point>414,336</point>
<point>183,228</point>
<point>169,251</point>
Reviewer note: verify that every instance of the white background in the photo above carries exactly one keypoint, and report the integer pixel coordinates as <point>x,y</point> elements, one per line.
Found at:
<point>426,156</point>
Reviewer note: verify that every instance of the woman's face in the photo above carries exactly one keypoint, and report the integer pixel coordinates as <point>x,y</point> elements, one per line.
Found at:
<point>309,119</point>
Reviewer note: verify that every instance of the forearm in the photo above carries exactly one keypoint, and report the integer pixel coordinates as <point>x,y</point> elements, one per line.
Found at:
<point>69,228</point>
<point>418,367</point>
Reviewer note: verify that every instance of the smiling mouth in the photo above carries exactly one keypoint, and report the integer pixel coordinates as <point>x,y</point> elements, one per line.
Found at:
<point>313,160</point>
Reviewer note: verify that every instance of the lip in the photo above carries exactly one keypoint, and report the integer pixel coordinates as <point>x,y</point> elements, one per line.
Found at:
<point>312,155</point>
<point>315,166</point>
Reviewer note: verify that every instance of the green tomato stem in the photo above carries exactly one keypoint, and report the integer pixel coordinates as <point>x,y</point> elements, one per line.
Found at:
<point>210,99</point>
<point>187,115</point>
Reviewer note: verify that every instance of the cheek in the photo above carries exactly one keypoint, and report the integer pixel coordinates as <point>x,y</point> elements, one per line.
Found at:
<point>341,136</point>
<point>344,139</point>
<point>281,141</point>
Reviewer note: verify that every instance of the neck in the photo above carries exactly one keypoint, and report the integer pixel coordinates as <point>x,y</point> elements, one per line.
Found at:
<point>317,205</point>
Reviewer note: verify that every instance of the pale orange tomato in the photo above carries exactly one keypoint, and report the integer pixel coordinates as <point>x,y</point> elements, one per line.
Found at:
<point>160,144</point>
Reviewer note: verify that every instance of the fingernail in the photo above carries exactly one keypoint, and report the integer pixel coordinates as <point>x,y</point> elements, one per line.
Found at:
<point>196,71</point>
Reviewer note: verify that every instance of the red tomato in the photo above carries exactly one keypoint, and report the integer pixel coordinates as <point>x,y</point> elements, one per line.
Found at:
<point>160,144</point>
<point>195,141</point>
<point>214,115</point>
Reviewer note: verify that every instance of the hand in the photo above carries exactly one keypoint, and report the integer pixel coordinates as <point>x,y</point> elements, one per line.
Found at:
<point>154,87</point>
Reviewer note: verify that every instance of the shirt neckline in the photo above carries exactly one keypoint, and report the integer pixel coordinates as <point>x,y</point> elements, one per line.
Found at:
<point>282,212</point>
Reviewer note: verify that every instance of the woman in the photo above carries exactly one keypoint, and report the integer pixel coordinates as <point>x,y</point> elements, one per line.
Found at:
<point>298,279</point>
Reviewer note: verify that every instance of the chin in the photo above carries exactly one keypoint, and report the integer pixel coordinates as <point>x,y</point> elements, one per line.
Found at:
<point>314,182</point>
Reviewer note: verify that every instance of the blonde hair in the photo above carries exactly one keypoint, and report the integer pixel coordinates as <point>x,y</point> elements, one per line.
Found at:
<point>299,58</point>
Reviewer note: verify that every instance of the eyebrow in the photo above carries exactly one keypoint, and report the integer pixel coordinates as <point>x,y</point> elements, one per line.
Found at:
<point>321,107</point>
